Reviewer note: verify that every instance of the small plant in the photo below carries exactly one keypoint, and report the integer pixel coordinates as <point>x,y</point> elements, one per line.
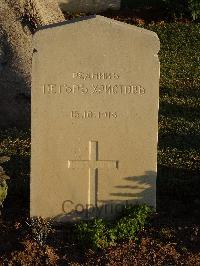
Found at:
<point>101,234</point>
<point>3,183</point>
<point>132,220</point>
<point>166,233</point>
<point>194,6</point>
<point>92,233</point>
<point>40,229</point>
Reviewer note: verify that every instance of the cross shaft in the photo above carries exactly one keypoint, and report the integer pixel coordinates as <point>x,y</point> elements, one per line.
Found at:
<point>93,164</point>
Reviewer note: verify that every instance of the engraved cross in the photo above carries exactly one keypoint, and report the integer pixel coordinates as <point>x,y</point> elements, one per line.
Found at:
<point>93,164</point>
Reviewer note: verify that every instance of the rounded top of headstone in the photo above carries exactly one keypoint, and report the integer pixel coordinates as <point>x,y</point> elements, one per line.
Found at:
<point>91,25</point>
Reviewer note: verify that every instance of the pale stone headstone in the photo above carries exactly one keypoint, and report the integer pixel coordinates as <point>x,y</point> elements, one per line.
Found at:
<point>89,5</point>
<point>95,93</point>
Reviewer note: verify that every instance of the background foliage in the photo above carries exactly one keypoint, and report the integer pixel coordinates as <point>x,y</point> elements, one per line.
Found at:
<point>172,8</point>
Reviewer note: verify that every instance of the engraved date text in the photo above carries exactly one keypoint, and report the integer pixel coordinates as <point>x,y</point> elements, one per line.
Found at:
<point>93,115</point>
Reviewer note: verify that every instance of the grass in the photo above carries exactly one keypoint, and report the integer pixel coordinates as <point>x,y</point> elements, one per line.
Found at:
<point>179,128</point>
<point>179,119</point>
<point>15,143</point>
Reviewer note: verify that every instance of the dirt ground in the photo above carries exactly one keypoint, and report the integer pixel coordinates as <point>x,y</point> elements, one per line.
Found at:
<point>162,243</point>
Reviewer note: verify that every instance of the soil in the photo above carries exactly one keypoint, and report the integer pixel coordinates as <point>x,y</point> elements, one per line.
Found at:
<point>162,243</point>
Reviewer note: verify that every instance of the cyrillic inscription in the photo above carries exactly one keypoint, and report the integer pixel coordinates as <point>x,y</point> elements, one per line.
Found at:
<point>91,76</point>
<point>93,89</point>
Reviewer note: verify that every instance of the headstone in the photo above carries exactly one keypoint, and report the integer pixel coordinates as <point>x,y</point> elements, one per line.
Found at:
<point>95,93</point>
<point>89,5</point>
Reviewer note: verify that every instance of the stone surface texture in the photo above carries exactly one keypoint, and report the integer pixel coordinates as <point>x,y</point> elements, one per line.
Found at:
<point>95,92</point>
<point>89,5</point>
<point>16,54</point>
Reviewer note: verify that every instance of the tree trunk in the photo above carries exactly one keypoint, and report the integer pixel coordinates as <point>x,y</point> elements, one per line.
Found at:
<point>18,21</point>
